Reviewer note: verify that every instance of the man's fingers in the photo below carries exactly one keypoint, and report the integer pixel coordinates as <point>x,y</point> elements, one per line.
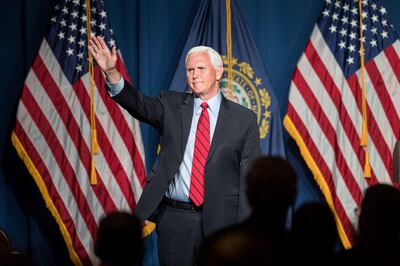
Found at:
<point>114,51</point>
<point>97,43</point>
<point>102,42</point>
<point>93,46</point>
<point>92,51</point>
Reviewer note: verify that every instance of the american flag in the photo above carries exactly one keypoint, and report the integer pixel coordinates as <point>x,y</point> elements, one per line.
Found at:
<point>53,137</point>
<point>325,115</point>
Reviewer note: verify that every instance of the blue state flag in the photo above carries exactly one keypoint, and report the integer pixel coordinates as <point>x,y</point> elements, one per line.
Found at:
<point>222,27</point>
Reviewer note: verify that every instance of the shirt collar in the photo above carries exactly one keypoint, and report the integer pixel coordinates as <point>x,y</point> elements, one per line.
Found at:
<point>213,103</point>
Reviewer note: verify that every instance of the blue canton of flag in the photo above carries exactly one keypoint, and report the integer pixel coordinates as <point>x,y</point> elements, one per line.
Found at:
<point>343,34</point>
<point>68,37</point>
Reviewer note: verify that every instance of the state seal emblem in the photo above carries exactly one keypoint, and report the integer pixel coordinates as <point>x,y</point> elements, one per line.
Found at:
<point>247,90</point>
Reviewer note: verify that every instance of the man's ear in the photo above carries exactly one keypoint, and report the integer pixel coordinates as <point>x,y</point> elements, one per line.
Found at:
<point>219,72</point>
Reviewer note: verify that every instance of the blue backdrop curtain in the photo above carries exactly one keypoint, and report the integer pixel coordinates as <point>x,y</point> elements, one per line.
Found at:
<point>151,35</point>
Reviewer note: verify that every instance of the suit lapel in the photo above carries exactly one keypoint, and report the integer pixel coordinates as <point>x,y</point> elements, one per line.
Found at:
<point>186,116</point>
<point>222,122</point>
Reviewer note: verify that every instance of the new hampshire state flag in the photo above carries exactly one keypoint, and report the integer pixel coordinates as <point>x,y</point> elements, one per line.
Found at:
<point>220,25</point>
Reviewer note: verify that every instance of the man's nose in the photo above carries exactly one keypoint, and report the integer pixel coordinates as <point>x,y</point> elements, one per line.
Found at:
<point>195,73</point>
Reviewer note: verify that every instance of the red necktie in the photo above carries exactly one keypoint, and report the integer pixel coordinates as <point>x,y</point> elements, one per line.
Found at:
<point>200,154</point>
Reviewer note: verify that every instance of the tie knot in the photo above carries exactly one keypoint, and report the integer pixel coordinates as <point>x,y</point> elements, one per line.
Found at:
<point>204,105</point>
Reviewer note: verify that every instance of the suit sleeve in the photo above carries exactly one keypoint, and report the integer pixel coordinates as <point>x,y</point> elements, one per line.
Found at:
<point>146,109</point>
<point>251,150</point>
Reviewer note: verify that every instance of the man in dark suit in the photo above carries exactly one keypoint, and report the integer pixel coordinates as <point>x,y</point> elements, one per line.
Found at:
<point>197,184</point>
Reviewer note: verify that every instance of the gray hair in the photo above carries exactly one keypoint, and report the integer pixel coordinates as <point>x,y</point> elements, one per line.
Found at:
<point>215,57</point>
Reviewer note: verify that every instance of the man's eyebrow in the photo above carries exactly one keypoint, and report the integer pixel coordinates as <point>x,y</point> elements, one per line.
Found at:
<point>202,66</point>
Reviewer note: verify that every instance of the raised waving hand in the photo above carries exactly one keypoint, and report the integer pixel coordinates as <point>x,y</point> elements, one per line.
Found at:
<point>105,58</point>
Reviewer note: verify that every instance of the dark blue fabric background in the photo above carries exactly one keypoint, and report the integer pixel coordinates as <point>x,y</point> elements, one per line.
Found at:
<point>151,35</point>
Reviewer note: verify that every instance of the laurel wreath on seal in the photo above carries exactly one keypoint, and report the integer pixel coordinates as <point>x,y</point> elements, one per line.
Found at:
<point>247,69</point>
<point>266,102</point>
<point>265,99</point>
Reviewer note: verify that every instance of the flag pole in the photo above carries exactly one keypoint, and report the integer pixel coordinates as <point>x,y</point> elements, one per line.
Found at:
<point>93,136</point>
<point>364,133</point>
<point>229,48</point>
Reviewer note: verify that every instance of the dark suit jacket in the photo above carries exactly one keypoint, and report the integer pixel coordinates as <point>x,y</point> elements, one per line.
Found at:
<point>236,141</point>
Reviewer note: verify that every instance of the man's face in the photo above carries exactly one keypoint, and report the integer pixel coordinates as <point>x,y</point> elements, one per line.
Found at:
<point>202,76</point>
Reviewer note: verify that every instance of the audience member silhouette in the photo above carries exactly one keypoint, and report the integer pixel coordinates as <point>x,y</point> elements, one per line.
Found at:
<point>10,256</point>
<point>271,192</point>
<point>262,239</point>
<point>235,246</point>
<point>4,245</point>
<point>314,234</point>
<point>378,239</point>
<point>119,240</point>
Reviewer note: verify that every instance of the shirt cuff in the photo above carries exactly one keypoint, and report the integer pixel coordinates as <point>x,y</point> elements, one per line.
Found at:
<point>115,88</point>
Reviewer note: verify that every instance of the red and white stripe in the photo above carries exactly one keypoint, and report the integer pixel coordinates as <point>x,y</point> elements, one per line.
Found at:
<point>325,110</point>
<point>53,128</point>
